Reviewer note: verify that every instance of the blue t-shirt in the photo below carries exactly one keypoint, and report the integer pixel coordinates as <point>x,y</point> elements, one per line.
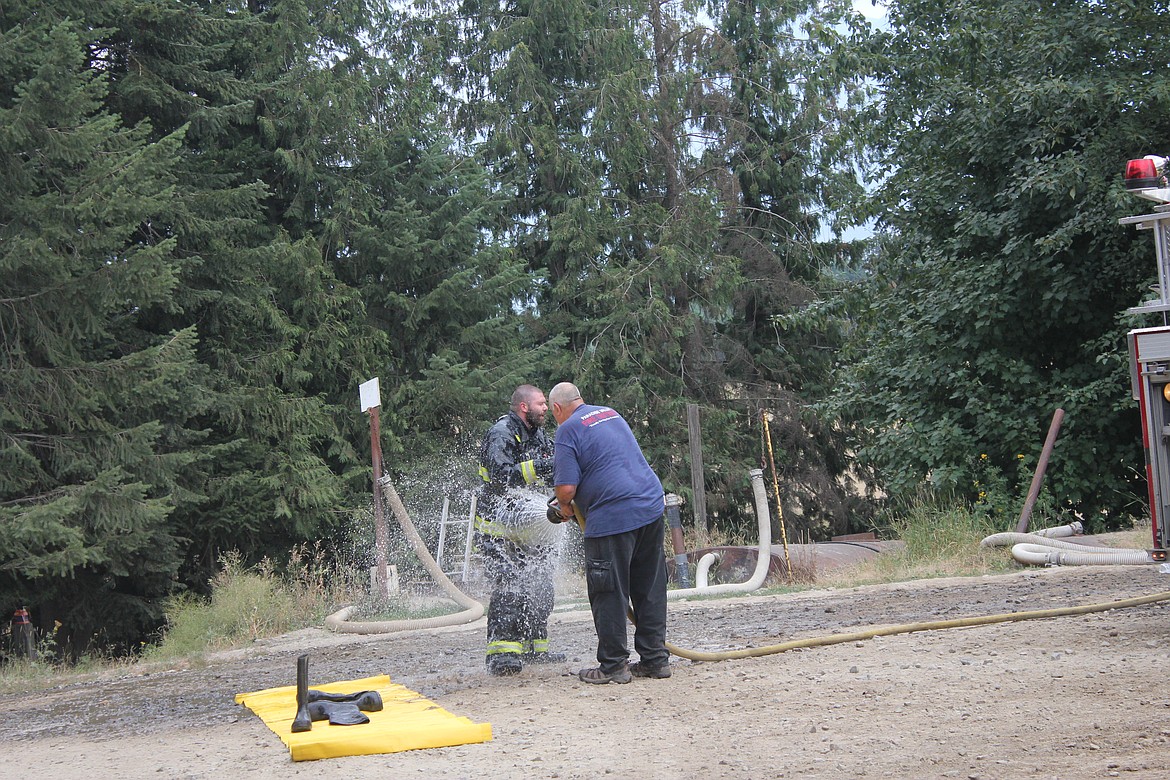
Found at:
<point>616,489</point>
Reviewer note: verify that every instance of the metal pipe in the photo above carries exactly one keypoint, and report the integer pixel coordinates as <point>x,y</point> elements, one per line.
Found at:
<point>674,520</point>
<point>1041,467</point>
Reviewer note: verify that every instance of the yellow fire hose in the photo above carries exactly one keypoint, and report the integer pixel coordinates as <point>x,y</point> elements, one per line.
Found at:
<point>907,628</point>
<point>339,620</point>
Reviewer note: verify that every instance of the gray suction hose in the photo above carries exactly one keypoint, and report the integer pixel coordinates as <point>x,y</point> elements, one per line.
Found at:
<point>1041,555</point>
<point>763,559</point>
<point>1038,549</point>
<point>1072,529</point>
<point>703,569</point>
<point>472,609</point>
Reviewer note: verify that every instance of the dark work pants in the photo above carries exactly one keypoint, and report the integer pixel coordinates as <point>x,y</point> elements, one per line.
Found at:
<point>628,569</point>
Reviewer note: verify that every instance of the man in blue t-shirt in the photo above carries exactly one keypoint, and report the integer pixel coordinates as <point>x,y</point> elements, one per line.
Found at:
<point>599,467</point>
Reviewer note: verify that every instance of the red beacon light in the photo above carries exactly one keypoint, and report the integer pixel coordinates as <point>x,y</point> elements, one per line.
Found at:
<point>1145,173</point>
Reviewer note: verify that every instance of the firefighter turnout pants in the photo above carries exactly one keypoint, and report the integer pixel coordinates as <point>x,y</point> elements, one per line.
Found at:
<point>522,596</point>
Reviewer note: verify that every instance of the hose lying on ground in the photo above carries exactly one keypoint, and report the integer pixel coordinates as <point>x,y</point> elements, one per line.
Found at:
<point>472,609</point>
<point>1070,529</point>
<point>934,625</point>
<point>1040,547</point>
<point>1040,550</point>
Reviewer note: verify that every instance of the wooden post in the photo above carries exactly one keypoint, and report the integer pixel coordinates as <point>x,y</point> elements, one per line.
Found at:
<point>381,534</point>
<point>1038,477</point>
<point>695,442</point>
<point>370,400</point>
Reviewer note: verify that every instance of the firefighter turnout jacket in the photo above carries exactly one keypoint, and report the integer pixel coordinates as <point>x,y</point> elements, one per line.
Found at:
<point>511,458</point>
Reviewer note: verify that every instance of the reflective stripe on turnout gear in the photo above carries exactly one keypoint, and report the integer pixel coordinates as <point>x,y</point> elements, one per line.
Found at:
<point>499,646</point>
<point>485,526</point>
<point>528,471</point>
<point>536,646</point>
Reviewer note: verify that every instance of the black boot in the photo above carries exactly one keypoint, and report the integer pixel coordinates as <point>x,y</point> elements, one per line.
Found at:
<point>339,713</point>
<point>303,720</point>
<point>366,701</point>
<point>504,664</point>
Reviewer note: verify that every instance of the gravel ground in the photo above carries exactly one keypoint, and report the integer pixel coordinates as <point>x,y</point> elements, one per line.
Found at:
<point>1068,697</point>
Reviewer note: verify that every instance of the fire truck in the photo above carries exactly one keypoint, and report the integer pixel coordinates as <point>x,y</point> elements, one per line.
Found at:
<point>1149,348</point>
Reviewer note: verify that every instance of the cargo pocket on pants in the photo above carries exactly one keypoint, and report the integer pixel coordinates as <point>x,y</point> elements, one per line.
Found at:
<point>599,577</point>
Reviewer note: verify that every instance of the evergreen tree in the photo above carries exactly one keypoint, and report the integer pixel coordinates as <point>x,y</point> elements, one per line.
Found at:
<point>257,107</point>
<point>318,227</point>
<point>92,406</point>
<point>263,93</point>
<point>633,146</point>
<point>452,299</point>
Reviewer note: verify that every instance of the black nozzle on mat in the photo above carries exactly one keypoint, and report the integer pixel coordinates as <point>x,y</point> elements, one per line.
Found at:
<point>304,720</point>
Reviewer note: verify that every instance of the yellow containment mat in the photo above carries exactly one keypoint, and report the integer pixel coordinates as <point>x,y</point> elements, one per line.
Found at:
<point>407,721</point>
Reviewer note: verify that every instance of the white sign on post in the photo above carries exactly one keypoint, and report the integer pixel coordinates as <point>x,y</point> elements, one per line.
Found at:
<point>370,395</point>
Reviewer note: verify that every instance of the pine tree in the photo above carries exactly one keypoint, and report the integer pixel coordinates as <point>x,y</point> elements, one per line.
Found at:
<point>270,95</point>
<point>640,156</point>
<point>232,285</point>
<point>91,405</point>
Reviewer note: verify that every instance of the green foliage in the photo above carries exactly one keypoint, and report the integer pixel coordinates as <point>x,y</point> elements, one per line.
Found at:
<point>1001,496</point>
<point>662,170</point>
<point>250,603</point>
<point>938,530</point>
<point>212,241</point>
<point>93,406</point>
<point>221,218</point>
<point>995,295</point>
<point>244,606</point>
<point>941,533</point>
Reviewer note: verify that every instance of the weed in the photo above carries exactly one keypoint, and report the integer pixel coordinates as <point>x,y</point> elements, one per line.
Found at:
<point>247,604</point>
<point>941,538</point>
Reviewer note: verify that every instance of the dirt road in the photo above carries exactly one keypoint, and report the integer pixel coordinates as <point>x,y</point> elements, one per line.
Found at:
<point>1071,698</point>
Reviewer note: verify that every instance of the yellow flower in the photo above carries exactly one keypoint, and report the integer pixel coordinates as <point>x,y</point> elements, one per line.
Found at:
<point>983,456</point>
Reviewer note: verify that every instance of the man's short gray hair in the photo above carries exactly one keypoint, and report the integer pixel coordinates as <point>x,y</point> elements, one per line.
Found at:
<point>564,393</point>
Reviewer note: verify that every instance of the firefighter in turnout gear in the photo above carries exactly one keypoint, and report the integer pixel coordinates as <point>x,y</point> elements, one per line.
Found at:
<point>513,535</point>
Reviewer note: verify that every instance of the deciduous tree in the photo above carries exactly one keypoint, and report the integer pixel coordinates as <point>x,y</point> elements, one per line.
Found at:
<point>997,293</point>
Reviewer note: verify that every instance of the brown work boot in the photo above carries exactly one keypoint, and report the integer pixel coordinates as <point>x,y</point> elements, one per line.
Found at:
<point>599,677</point>
<point>639,669</point>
